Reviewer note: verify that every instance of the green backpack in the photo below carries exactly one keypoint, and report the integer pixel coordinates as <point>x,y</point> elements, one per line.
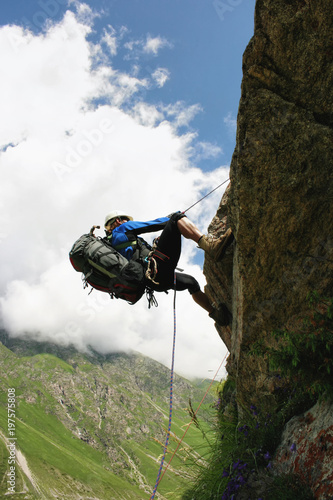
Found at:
<point>107,270</point>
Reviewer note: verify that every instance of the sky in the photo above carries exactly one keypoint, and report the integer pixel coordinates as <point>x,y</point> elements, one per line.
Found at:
<point>105,105</point>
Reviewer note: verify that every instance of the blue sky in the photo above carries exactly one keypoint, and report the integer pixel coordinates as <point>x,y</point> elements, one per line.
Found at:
<point>206,40</point>
<point>126,105</point>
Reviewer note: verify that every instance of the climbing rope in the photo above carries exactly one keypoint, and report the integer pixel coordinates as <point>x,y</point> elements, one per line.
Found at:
<point>210,192</point>
<point>171,390</point>
<point>151,274</point>
<point>192,420</point>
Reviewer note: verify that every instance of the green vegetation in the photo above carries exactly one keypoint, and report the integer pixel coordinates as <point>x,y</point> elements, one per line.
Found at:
<point>306,353</point>
<point>241,460</point>
<point>93,426</point>
<point>300,371</point>
<point>60,461</point>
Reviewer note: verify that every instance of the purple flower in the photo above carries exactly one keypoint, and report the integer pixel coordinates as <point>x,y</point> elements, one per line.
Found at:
<point>293,447</point>
<point>254,410</point>
<point>244,429</point>
<point>235,465</point>
<point>267,456</point>
<point>225,473</point>
<point>241,480</point>
<point>217,404</point>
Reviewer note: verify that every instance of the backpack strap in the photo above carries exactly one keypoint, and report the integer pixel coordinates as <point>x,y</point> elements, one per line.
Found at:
<point>121,246</point>
<point>144,254</point>
<point>141,248</point>
<point>101,269</point>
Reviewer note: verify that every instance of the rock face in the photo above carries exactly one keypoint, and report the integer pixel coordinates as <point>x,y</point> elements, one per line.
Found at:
<point>307,449</point>
<point>219,277</point>
<point>280,199</point>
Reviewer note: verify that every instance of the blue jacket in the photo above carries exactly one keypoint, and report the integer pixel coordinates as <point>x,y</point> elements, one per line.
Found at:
<point>124,237</point>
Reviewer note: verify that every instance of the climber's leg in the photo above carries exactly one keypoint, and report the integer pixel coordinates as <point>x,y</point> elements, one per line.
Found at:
<point>202,300</point>
<point>216,247</point>
<point>189,230</point>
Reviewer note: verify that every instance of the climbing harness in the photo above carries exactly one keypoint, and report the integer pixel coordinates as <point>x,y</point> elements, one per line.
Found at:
<point>151,271</point>
<point>171,390</point>
<point>210,192</point>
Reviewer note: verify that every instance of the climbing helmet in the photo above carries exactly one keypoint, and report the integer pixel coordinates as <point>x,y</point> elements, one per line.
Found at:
<point>115,214</point>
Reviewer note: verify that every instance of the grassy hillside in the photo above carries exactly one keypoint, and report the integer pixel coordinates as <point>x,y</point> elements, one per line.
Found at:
<point>94,426</point>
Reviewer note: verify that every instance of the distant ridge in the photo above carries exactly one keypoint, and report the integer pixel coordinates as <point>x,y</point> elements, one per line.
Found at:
<point>92,426</point>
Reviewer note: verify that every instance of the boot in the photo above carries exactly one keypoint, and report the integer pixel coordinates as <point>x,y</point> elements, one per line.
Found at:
<point>222,316</point>
<point>215,247</point>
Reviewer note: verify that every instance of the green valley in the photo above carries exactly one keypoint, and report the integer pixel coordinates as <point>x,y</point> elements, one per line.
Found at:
<point>91,426</point>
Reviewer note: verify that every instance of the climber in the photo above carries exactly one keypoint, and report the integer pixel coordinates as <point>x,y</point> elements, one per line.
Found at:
<point>161,260</point>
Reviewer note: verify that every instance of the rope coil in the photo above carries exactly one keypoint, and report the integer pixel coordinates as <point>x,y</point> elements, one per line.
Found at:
<point>151,271</point>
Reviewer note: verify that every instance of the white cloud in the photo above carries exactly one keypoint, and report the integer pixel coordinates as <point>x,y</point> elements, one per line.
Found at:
<point>146,114</point>
<point>181,114</point>
<point>206,150</point>
<point>154,44</point>
<point>64,164</point>
<point>231,124</point>
<point>110,39</point>
<point>148,46</point>
<point>84,13</point>
<point>161,76</point>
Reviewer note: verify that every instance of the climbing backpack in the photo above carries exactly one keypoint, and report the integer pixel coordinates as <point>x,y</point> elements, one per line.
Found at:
<point>107,270</point>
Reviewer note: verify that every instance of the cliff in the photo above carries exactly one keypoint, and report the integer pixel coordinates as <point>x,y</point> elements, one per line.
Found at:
<point>279,205</point>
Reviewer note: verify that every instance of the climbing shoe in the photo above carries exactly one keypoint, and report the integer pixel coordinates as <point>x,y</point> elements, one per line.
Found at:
<point>215,247</point>
<point>221,315</point>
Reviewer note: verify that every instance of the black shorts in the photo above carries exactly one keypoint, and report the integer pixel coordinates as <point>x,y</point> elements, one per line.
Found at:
<point>167,257</point>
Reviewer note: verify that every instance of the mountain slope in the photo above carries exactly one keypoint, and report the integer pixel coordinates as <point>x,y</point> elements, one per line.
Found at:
<point>92,426</point>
